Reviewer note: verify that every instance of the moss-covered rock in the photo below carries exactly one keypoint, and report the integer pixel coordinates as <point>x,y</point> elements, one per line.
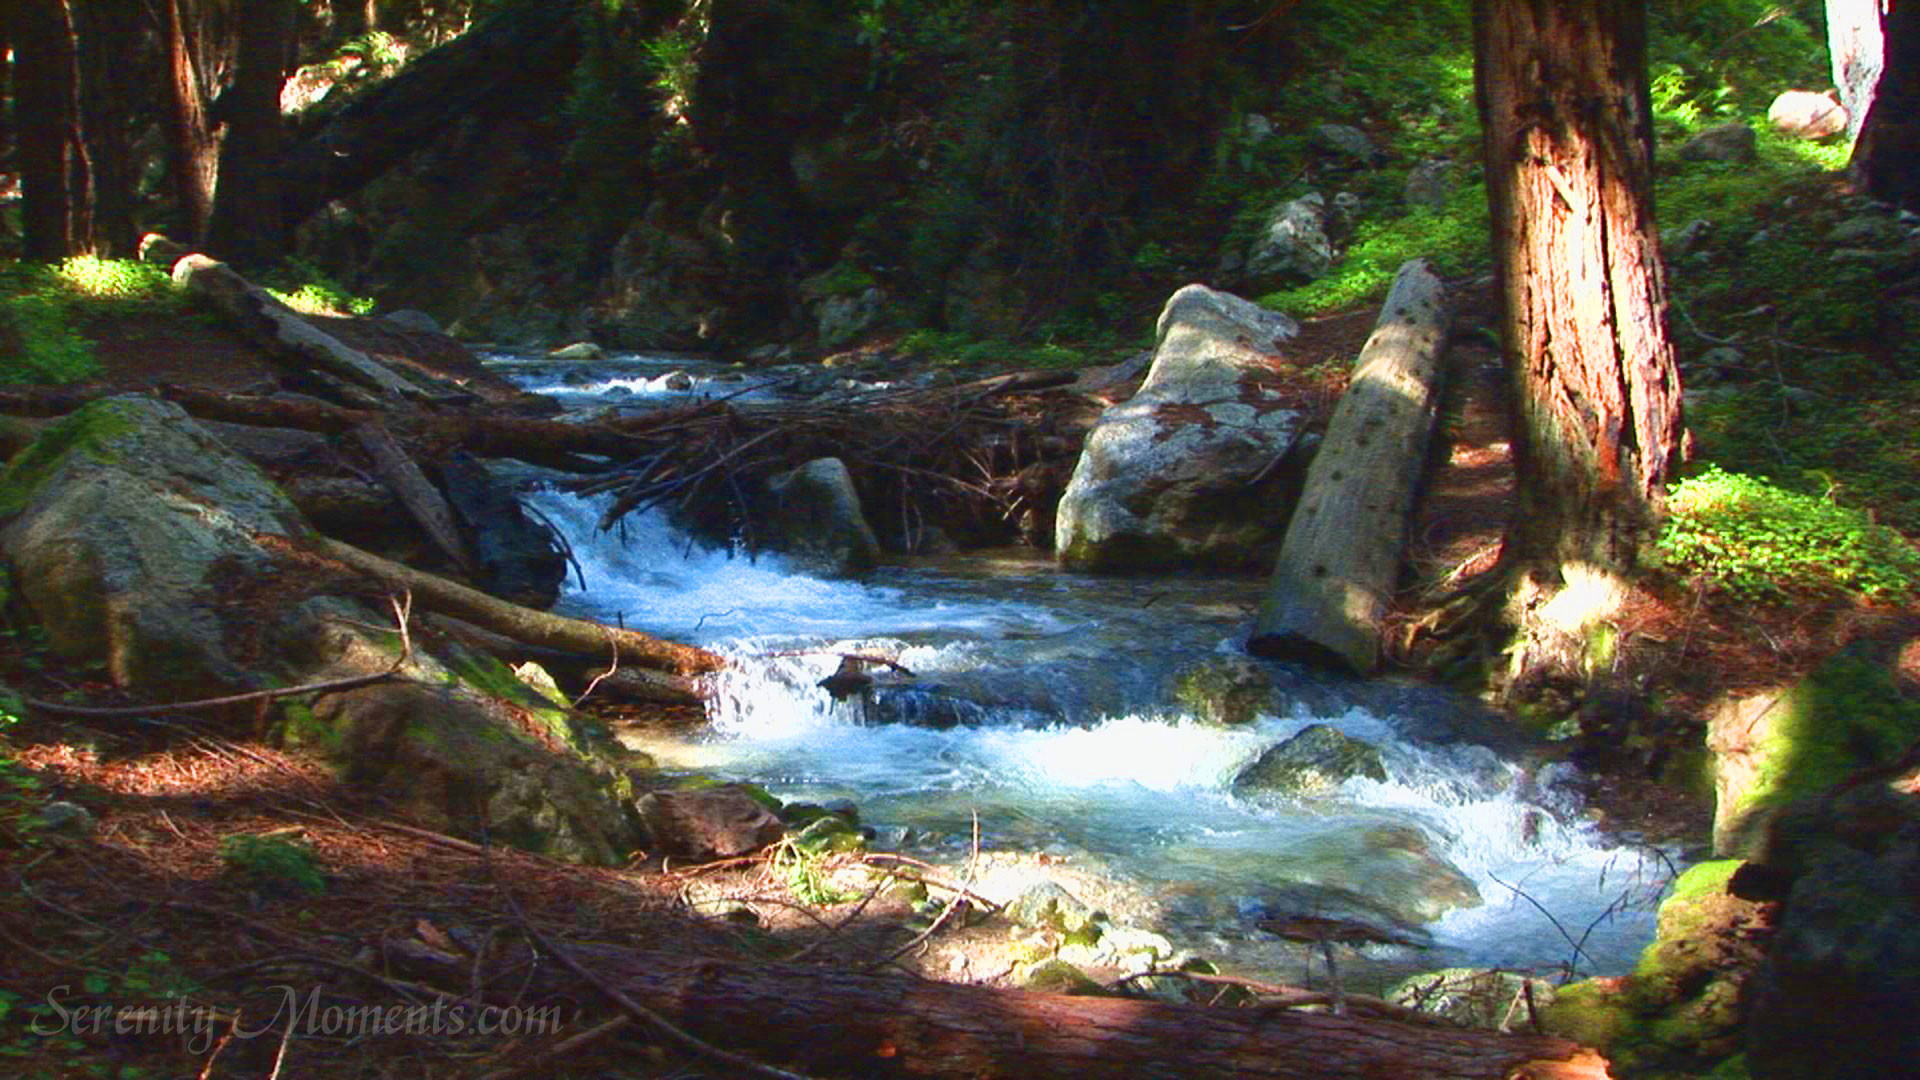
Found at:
<point>1314,762</point>
<point>1228,690</point>
<point>142,540</point>
<point>1786,744</point>
<point>1681,1011</point>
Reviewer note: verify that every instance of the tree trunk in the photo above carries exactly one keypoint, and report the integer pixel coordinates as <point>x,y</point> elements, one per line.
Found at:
<point>52,174</point>
<point>193,153</point>
<point>1886,160</point>
<point>111,86</point>
<point>520,58</point>
<point>1568,140</point>
<point>846,1023</point>
<point>248,226</point>
<point>1855,47</point>
<point>1341,556</point>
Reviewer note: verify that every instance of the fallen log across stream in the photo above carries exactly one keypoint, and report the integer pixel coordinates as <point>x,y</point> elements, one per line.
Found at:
<point>968,457</point>
<point>835,1022</point>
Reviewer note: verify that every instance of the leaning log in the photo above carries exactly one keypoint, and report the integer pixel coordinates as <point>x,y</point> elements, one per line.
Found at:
<point>434,593</point>
<point>422,500</point>
<point>284,334</point>
<point>1341,555</point>
<point>835,1022</point>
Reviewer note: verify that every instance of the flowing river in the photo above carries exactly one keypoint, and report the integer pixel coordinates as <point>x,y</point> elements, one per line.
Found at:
<point>1044,703</point>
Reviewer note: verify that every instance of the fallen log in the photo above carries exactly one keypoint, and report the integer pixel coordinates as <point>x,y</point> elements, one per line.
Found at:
<point>578,671</point>
<point>529,439</point>
<point>434,593</point>
<point>415,492</point>
<point>284,334</point>
<point>832,1021</point>
<point>1341,555</point>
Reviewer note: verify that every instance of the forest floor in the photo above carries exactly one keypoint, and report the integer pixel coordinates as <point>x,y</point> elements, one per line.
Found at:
<point>148,909</point>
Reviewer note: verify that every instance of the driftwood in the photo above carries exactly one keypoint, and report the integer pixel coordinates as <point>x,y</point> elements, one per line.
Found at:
<point>415,492</point>
<point>600,673</point>
<point>837,1022</point>
<point>1341,556</point>
<point>284,334</point>
<point>435,593</point>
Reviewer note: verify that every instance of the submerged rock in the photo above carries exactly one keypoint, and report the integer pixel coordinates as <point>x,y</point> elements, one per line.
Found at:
<point>1165,479</point>
<point>1314,762</point>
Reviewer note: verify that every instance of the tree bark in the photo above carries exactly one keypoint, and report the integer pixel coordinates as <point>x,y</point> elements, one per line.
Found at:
<point>1341,557</point>
<point>1855,47</point>
<point>111,74</point>
<point>1886,160</point>
<point>193,153</point>
<point>52,173</point>
<point>541,628</point>
<point>1568,140</point>
<point>247,226</point>
<point>517,59</point>
<point>845,1023</point>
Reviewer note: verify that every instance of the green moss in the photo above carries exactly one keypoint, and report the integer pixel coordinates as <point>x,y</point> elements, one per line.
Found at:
<point>300,729</point>
<point>1702,879</point>
<point>87,431</point>
<point>1845,716</point>
<point>1593,1012</point>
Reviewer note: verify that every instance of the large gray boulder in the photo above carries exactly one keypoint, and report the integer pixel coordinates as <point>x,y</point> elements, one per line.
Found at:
<point>816,520</point>
<point>1193,472</point>
<point>138,538</point>
<point>1294,245</point>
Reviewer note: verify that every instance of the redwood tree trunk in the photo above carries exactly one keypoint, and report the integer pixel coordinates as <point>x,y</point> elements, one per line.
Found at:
<point>1568,136</point>
<point>249,227</point>
<point>193,153</point>
<point>1886,160</point>
<point>111,87</point>
<point>52,166</point>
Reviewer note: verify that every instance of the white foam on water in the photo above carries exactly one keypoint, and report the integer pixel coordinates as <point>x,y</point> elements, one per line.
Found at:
<point>1150,791</point>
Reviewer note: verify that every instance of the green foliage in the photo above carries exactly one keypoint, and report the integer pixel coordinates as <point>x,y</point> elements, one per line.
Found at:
<point>273,863</point>
<point>1758,541</point>
<point>304,287</point>
<point>1454,238</point>
<point>1716,60</point>
<point>41,308</point>
<point>946,348</point>
<point>20,793</point>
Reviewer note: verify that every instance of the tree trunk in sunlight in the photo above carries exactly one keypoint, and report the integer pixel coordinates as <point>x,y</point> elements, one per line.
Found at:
<point>1568,135</point>
<point>1854,45</point>
<point>1886,160</point>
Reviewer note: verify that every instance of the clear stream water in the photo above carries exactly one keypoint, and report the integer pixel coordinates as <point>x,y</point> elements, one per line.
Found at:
<point>1040,700</point>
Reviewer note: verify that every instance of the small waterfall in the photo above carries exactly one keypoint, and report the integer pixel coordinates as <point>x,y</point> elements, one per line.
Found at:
<point>1038,701</point>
